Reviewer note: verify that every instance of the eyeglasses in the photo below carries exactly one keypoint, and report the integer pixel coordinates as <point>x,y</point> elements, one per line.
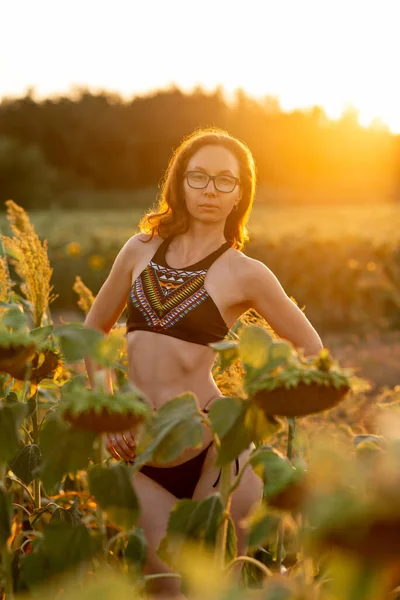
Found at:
<point>199,180</point>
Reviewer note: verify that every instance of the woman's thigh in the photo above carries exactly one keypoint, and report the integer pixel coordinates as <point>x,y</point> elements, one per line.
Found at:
<point>156,504</point>
<point>246,495</point>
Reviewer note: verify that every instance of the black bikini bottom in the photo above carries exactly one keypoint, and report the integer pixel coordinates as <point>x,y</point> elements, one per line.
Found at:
<point>181,480</point>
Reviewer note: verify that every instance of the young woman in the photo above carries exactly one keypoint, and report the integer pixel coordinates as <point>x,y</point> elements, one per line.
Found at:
<point>185,282</point>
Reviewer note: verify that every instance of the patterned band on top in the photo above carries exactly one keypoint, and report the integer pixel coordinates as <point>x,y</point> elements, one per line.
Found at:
<point>164,295</point>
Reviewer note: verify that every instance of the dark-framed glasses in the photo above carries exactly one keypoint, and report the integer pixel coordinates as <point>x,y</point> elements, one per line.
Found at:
<point>199,180</point>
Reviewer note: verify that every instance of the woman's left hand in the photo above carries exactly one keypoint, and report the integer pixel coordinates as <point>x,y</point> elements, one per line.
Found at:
<point>121,445</point>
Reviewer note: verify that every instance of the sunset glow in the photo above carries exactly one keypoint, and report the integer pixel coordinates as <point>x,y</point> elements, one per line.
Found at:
<point>332,54</point>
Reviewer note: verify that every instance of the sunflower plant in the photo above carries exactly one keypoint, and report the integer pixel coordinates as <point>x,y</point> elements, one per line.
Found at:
<point>280,378</point>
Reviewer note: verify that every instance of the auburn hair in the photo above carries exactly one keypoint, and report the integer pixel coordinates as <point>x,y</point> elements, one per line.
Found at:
<point>171,217</point>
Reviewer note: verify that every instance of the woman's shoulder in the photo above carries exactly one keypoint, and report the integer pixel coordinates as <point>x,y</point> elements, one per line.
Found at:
<point>144,239</point>
<point>140,243</point>
<point>238,258</point>
<point>247,270</point>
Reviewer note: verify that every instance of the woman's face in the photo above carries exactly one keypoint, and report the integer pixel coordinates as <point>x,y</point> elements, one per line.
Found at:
<point>212,160</point>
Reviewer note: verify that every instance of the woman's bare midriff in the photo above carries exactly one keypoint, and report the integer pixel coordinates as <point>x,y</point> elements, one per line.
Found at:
<point>162,367</point>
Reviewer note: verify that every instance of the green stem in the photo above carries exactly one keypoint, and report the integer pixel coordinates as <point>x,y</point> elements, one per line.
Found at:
<point>238,479</point>
<point>162,576</point>
<point>291,433</point>
<point>22,508</point>
<point>226,495</point>
<point>251,560</point>
<point>28,435</point>
<point>28,491</point>
<point>289,453</point>
<point>35,436</point>
<point>99,512</point>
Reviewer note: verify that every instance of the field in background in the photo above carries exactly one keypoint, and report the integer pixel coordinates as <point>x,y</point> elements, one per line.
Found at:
<point>375,222</point>
<point>376,356</point>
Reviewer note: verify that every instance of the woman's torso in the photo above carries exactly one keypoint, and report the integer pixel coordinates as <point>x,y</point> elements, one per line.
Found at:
<point>163,366</point>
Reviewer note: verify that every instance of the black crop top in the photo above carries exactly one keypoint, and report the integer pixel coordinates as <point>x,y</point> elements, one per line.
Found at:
<point>175,302</point>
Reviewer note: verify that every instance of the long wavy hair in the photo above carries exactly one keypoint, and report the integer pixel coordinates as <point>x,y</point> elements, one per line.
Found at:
<point>171,217</point>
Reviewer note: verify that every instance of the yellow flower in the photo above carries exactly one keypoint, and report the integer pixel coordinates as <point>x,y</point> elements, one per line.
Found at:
<point>353,263</point>
<point>5,284</point>
<point>73,249</point>
<point>96,261</point>
<point>31,261</point>
<point>86,297</point>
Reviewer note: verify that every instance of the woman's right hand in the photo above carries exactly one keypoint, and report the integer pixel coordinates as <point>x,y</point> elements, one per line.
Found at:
<point>121,445</point>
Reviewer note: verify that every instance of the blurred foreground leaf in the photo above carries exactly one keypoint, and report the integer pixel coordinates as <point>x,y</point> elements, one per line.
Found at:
<point>63,547</point>
<point>64,450</point>
<point>5,516</point>
<point>77,341</point>
<point>283,482</point>
<point>238,423</point>
<point>228,351</point>
<point>12,415</point>
<point>136,549</point>
<point>260,525</point>
<point>113,489</point>
<point>177,425</point>
<point>191,520</point>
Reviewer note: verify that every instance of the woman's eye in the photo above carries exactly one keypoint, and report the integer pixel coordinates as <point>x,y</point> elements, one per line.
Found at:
<point>199,177</point>
<point>224,180</point>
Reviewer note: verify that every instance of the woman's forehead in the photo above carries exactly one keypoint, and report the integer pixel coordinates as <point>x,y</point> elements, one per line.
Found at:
<point>216,158</point>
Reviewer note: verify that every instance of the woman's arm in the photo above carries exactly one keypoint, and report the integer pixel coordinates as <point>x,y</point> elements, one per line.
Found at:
<point>104,313</point>
<point>111,301</point>
<point>266,295</point>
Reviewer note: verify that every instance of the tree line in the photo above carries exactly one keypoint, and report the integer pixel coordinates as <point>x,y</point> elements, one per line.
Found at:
<point>100,142</point>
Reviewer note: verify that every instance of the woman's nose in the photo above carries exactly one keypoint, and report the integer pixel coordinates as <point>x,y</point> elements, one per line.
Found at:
<point>210,186</point>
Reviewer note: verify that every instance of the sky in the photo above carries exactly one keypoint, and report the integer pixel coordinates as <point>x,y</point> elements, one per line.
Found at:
<point>332,53</point>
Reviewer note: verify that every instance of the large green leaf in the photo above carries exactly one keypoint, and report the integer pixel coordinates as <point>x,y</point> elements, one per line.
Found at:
<point>176,425</point>
<point>224,413</point>
<point>77,341</point>
<point>67,545</point>
<point>238,423</point>
<point>40,334</point>
<point>108,350</point>
<point>228,421</point>
<point>12,415</point>
<point>64,450</point>
<point>136,548</point>
<point>260,425</point>
<point>254,346</point>
<point>276,471</point>
<point>71,515</point>
<point>112,487</point>
<point>261,525</point>
<point>15,318</point>
<point>191,520</point>
<point>231,541</point>
<point>279,354</point>
<point>228,351</point>
<point>64,547</point>
<point>5,516</point>
<point>25,463</point>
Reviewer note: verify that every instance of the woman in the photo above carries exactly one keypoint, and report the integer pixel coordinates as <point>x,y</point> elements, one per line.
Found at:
<point>186,282</point>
